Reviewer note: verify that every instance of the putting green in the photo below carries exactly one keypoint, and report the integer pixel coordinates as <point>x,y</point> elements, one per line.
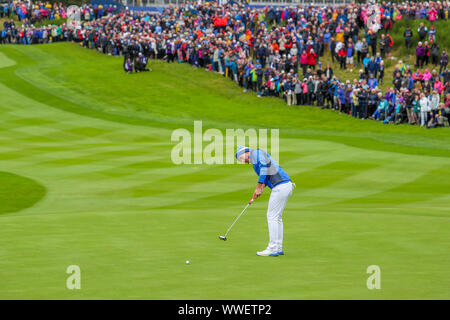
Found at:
<point>99,142</point>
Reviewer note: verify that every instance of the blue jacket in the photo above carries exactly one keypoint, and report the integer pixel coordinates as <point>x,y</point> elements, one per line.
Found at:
<point>371,66</point>
<point>247,69</point>
<point>341,94</point>
<point>287,86</point>
<point>268,170</point>
<point>377,61</point>
<point>366,62</point>
<point>373,83</point>
<point>350,52</point>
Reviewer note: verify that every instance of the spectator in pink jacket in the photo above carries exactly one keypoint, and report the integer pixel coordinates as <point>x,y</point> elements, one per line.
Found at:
<point>426,75</point>
<point>432,13</point>
<point>304,91</point>
<point>304,61</point>
<point>438,86</point>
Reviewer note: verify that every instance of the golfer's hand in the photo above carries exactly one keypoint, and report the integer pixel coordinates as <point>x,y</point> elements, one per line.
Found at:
<point>256,194</point>
<point>259,190</point>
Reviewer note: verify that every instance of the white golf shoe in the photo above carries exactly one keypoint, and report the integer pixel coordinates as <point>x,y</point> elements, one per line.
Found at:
<point>267,253</point>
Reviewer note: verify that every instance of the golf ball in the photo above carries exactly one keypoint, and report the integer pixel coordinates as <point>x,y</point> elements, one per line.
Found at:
<point>188,262</point>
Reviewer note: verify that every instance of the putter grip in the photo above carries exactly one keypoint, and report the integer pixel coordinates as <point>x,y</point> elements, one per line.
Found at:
<point>251,201</point>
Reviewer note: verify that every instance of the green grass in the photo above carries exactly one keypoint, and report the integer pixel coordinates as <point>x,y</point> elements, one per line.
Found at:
<point>46,22</point>
<point>13,17</point>
<point>96,142</point>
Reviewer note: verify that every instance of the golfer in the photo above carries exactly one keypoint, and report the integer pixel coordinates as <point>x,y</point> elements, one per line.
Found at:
<point>271,175</point>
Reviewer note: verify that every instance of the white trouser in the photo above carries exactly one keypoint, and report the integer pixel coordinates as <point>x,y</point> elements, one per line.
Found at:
<point>423,118</point>
<point>277,202</point>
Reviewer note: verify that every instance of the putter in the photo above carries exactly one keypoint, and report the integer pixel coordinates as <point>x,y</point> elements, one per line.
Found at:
<point>224,238</point>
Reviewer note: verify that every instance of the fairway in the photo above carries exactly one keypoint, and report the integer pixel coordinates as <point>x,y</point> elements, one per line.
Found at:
<point>86,178</point>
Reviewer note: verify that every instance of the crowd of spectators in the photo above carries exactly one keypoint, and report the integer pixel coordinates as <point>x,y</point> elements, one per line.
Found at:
<point>31,12</point>
<point>276,52</point>
<point>27,22</point>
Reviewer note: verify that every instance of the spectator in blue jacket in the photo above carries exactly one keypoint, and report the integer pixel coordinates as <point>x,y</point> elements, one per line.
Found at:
<point>372,66</point>
<point>373,83</point>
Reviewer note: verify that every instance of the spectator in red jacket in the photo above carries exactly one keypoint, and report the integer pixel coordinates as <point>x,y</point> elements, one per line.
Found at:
<point>342,55</point>
<point>387,24</point>
<point>311,60</point>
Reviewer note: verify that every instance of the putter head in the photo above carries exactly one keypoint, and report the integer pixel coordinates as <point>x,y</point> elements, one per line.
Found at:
<point>223,238</point>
